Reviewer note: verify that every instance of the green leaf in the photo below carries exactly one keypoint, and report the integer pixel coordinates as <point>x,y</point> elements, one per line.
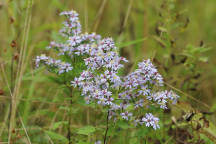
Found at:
<point>58,124</point>
<point>163,29</point>
<point>86,130</point>
<point>133,140</point>
<point>42,45</point>
<point>131,43</point>
<point>82,142</point>
<point>130,107</point>
<point>203,59</point>
<point>160,41</point>
<point>74,110</point>
<point>206,139</point>
<point>64,108</point>
<point>123,125</point>
<point>56,136</point>
<point>57,80</point>
<point>142,132</point>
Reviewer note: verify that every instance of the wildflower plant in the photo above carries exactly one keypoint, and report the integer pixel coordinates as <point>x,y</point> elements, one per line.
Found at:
<point>92,65</point>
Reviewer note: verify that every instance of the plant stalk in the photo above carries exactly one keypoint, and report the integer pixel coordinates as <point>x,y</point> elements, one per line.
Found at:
<point>69,118</point>
<point>107,127</point>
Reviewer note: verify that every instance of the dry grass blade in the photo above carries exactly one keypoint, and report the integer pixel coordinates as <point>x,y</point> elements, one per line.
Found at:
<point>27,136</point>
<point>5,121</point>
<point>99,15</point>
<point>128,13</point>
<point>50,140</point>
<point>20,69</point>
<point>167,142</point>
<point>121,36</point>
<point>187,95</point>
<point>86,14</point>
<point>5,78</point>
<point>9,107</point>
<point>32,100</point>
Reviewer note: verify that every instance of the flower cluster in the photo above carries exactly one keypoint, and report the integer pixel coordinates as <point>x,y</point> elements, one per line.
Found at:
<point>100,79</point>
<point>100,82</point>
<point>162,98</point>
<point>72,26</point>
<point>61,67</point>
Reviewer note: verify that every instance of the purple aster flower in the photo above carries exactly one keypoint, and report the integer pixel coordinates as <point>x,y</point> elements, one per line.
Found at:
<point>126,115</point>
<point>150,120</point>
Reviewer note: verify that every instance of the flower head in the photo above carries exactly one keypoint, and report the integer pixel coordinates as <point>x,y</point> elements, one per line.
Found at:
<point>151,120</point>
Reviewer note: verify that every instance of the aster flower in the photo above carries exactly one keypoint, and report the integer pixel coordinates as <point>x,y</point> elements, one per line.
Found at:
<point>107,44</point>
<point>172,96</point>
<point>163,97</point>
<point>74,40</point>
<point>72,26</point>
<point>101,100</point>
<point>98,142</point>
<point>139,103</point>
<point>61,67</point>
<point>150,120</point>
<point>64,67</point>
<point>144,91</point>
<point>109,101</point>
<point>126,115</point>
<point>124,105</point>
<point>39,59</point>
<point>76,82</point>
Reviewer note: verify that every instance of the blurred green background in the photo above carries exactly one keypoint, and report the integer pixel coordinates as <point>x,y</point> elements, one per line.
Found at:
<point>178,35</point>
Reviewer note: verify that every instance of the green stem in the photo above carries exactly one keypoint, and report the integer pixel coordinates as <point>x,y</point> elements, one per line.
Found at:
<point>107,127</point>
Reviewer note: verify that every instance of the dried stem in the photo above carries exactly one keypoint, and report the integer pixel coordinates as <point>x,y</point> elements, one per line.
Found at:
<point>20,70</point>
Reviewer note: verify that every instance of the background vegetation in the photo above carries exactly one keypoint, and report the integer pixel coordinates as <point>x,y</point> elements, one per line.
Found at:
<point>178,35</point>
